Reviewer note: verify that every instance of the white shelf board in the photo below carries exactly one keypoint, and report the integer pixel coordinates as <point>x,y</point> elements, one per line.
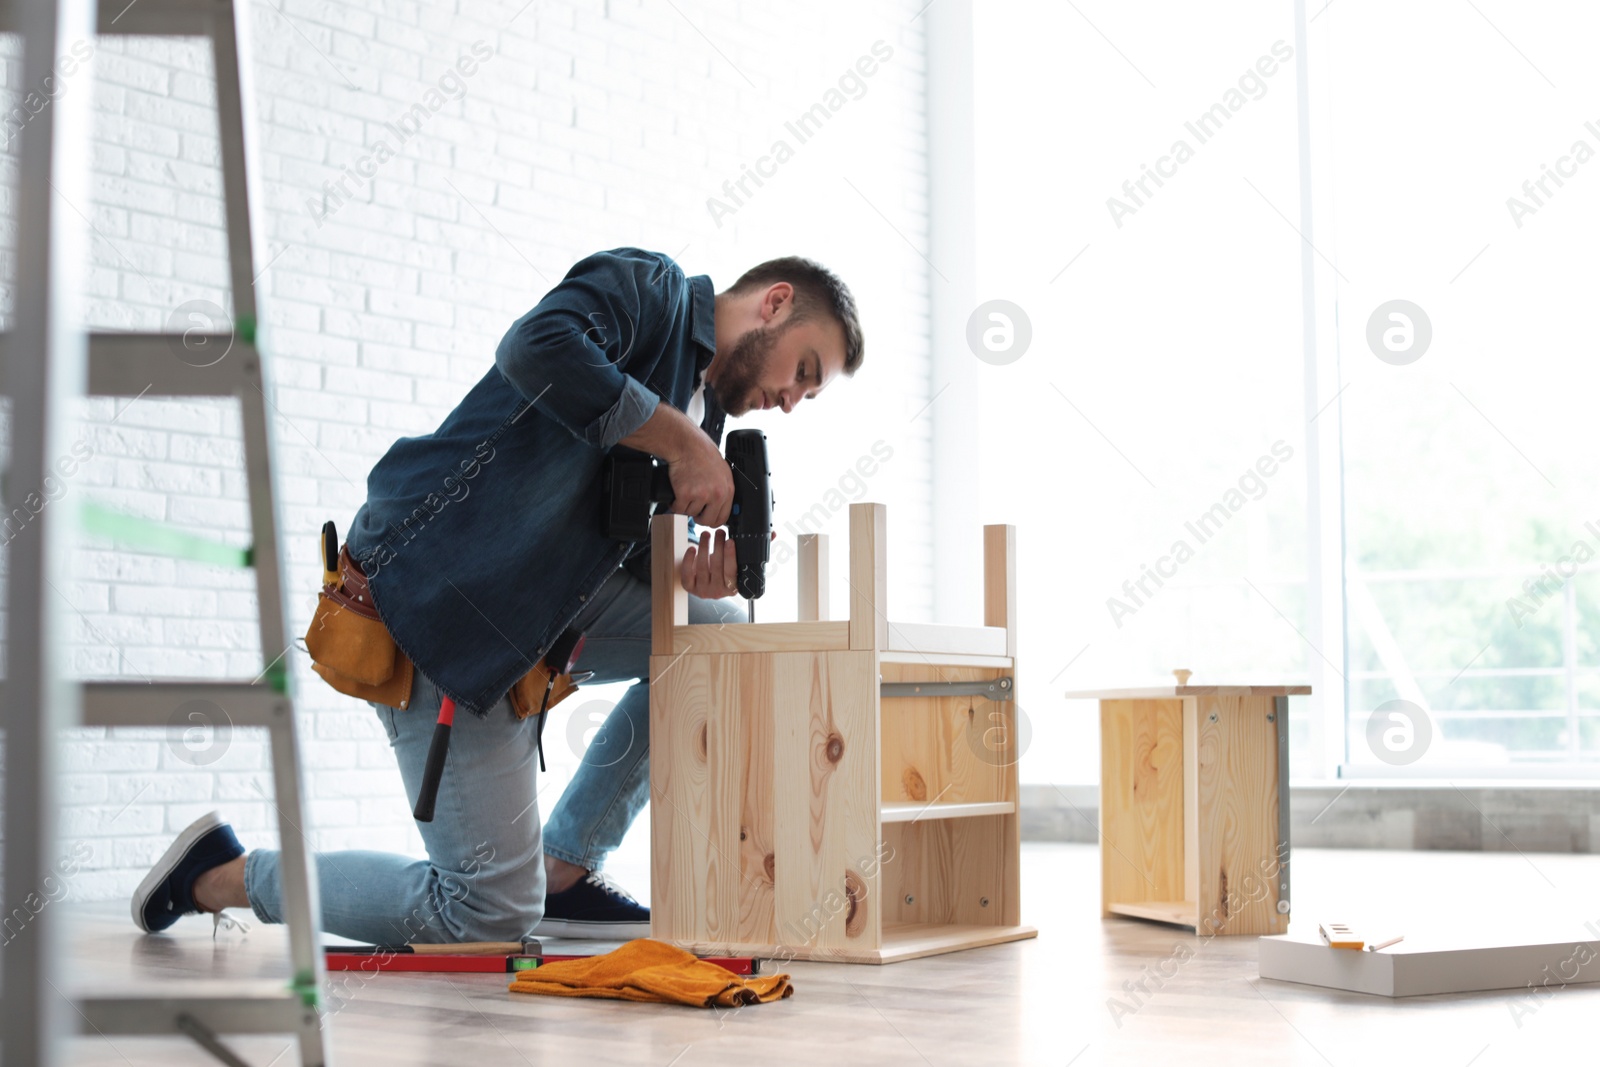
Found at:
<point>914,812</point>
<point>1449,963</point>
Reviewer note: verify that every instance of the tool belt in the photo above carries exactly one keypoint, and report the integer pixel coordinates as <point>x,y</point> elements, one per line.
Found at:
<point>352,650</point>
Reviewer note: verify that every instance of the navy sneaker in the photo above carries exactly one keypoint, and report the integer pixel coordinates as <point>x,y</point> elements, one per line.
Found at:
<point>167,892</point>
<point>596,908</point>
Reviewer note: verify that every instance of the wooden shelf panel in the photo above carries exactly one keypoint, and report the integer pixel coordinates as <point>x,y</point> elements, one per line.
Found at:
<point>1177,912</point>
<point>908,941</point>
<point>914,940</point>
<point>1176,692</point>
<point>936,639</point>
<point>914,812</point>
<point>934,660</point>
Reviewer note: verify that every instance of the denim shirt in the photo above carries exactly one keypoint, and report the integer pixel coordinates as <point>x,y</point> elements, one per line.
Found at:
<point>483,540</point>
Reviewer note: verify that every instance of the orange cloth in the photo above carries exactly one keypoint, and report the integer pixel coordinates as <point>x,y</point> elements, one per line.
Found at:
<point>654,972</point>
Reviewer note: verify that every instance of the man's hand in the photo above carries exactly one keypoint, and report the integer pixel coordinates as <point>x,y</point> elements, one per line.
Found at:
<point>707,572</point>
<point>702,483</point>
<point>711,573</point>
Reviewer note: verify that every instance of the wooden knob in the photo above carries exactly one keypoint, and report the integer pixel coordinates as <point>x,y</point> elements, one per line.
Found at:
<point>1182,676</point>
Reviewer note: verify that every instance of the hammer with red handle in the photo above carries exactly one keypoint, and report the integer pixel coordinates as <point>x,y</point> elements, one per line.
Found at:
<point>561,658</point>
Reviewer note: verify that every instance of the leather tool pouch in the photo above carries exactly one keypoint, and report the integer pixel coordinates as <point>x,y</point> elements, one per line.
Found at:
<point>528,694</point>
<point>351,648</point>
<point>352,651</point>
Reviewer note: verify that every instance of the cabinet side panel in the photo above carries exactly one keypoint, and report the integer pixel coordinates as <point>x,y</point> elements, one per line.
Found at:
<point>1141,801</point>
<point>1237,816</point>
<point>757,858</point>
<point>680,690</point>
<point>825,783</point>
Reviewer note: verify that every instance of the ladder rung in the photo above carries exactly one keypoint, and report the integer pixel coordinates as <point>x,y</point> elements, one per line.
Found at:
<point>156,703</point>
<point>254,1008</point>
<point>133,364</point>
<point>156,18</point>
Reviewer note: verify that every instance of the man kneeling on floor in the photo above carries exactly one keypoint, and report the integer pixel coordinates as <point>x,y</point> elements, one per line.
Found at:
<point>481,543</point>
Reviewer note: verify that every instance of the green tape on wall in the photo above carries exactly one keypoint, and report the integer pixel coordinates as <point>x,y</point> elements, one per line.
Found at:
<point>129,531</point>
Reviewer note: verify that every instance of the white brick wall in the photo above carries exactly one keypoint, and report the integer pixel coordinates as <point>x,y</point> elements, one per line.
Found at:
<point>591,125</point>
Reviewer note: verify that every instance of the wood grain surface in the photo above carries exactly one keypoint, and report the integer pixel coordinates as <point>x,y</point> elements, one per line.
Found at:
<point>1141,801</point>
<point>705,638</point>
<point>812,576</point>
<point>695,795</point>
<point>869,576</point>
<point>1169,692</point>
<point>1236,815</point>
<point>669,603</point>
<point>945,749</point>
<point>945,871</point>
<point>825,784</point>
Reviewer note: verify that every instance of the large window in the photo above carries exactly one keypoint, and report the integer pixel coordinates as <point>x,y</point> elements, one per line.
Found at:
<point>1460,146</point>
<point>1133,178</point>
<point>1139,200</point>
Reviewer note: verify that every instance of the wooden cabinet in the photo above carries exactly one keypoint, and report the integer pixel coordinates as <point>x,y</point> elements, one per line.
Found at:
<point>834,789</point>
<point>1194,805</point>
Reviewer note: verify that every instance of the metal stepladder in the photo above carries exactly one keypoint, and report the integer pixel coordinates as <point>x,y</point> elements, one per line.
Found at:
<point>45,356</point>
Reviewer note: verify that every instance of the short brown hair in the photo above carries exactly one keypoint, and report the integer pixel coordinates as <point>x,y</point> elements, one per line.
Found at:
<point>815,286</point>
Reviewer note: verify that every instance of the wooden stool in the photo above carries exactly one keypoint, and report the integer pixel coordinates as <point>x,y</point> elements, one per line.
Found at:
<point>1194,805</point>
<point>834,789</point>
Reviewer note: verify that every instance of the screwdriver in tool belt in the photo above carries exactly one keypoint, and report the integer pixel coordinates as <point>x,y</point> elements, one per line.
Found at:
<point>564,652</point>
<point>330,555</point>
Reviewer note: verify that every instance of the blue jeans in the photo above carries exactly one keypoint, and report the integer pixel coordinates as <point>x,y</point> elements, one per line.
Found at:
<point>483,879</point>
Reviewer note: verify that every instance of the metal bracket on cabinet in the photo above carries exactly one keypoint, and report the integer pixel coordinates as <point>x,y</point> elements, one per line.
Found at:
<point>996,689</point>
<point>1280,705</point>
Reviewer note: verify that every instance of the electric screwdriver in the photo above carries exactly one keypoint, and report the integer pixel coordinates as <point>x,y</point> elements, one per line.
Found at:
<point>636,482</point>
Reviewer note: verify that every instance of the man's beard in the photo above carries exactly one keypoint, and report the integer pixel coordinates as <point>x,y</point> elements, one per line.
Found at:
<point>745,362</point>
